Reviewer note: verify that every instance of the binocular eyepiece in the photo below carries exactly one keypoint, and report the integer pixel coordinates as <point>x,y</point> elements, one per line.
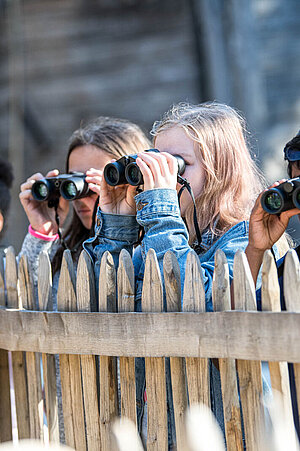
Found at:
<point>69,186</point>
<point>282,198</point>
<point>126,171</point>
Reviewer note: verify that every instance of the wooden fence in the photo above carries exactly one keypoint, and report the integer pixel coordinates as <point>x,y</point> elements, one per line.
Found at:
<point>88,343</point>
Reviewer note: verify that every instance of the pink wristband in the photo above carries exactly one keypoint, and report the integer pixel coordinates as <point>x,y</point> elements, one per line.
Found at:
<point>41,236</point>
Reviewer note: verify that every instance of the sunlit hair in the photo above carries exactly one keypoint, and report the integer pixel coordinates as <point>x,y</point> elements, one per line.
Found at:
<point>232,180</point>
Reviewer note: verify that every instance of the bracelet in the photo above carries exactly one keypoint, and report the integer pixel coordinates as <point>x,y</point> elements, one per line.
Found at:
<point>42,236</point>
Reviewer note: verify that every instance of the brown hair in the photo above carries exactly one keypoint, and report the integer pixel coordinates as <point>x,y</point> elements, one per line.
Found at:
<point>232,180</point>
<point>116,137</point>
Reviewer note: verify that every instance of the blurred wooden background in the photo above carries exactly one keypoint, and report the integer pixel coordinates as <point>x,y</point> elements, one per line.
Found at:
<point>64,61</point>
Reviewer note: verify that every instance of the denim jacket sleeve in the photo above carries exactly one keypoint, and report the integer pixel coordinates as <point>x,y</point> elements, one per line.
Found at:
<point>158,212</point>
<point>112,233</point>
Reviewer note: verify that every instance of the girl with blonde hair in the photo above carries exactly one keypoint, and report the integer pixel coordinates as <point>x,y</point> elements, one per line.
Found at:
<point>225,181</point>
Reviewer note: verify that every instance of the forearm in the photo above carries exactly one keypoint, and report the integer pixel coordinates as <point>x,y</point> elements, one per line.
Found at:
<point>255,258</point>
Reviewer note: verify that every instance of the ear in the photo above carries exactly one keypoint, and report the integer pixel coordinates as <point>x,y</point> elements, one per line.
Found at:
<point>1,221</point>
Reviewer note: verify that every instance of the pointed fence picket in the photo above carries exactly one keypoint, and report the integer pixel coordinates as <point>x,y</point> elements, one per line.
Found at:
<point>49,367</point>
<point>291,276</point>
<point>17,357</point>
<point>152,301</point>
<point>5,405</point>
<point>270,300</point>
<point>33,359</point>
<point>125,283</point>
<point>197,370</point>
<point>249,371</point>
<point>227,367</point>
<point>89,377</point>
<point>69,364</point>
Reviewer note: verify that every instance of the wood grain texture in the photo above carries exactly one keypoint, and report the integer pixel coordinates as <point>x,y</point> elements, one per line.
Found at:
<point>70,371</point>
<point>126,290</point>
<point>249,372</point>
<point>5,406</point>
<point>49,367</point>
<point>86,294</point>
<point>33,359</point>
<point>177,364</point>
<point>236,334</point>
<point>197,370</point>
<point>270,301</point>
<point>107,365</point>
<point>152,301</point>
<point>18,358</point>
<point>228,374</point>
<point>291,284</point>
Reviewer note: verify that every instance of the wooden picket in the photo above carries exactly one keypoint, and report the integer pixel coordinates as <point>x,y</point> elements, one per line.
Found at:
<point>5,405</point>
<point>88,375</point>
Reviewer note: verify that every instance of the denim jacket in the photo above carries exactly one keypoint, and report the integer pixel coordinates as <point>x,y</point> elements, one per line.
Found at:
<point>158,213</point>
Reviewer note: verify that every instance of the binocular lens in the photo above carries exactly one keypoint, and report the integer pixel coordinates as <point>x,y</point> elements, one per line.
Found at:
<point>133,174</point>
<point>273,201</point>
<point>40,191</point>
<point>69,190</point>
<point>296,198</point>
<point>112,175</point>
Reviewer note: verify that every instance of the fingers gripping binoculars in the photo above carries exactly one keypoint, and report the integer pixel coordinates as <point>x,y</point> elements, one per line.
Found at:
<point>282,198</point>
<point>69,186</point>
<point>126,171</point>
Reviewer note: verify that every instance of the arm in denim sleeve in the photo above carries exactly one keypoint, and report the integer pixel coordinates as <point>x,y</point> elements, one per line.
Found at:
<point>112,233</point>
<point>158,212</point>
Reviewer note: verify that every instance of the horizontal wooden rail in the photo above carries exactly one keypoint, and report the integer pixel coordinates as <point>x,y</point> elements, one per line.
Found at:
<point>234,334</point>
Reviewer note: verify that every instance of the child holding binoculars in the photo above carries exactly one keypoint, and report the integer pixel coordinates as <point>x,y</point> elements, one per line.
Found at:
<point>91,147</point>
<point>225,182</point>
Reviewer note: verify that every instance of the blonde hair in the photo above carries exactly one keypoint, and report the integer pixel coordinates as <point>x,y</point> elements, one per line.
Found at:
<point>232,180</point>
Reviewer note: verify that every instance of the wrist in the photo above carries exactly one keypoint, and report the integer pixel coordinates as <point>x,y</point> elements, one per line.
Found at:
<point>43,236</point>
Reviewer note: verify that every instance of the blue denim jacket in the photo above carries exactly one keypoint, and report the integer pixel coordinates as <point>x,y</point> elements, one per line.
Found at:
<point>158,213</point>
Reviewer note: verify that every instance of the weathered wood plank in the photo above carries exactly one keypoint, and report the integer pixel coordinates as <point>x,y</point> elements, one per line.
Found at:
<point>18,357</point>
<point>33,359</point>
<point>291,283</point>
<point>152,301</point>
<point>2,284</point>
<point>239,335</point>
<point>49,367</point>
<point>107,365</point>
<point>86,294</point>
<point>5,406</point>
<point>197,370</point>
<point>125,279</point>
<point>270,300</point>
<point>230,396</point>
<point>70,371</point>
<point>249,372</point>
<point>177,364</point>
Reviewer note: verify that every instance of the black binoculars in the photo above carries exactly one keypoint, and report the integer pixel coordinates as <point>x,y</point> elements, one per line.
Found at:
<point>70,186</point>
<point>126,171</point>
<point>282,198</point>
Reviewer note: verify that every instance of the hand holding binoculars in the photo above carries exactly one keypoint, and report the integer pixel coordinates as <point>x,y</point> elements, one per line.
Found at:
<point>282,198</point>
<point>126,171</point>
<point>73,186</point>
<point>69,186</point>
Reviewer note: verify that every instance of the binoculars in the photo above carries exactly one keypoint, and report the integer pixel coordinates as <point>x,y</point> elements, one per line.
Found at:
<point>282,198</point>
<point>70,186</point>
<point>126,171</point>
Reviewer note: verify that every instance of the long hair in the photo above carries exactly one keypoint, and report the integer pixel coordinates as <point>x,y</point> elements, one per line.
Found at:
<point>116,137</point>
<point>232,180</point>
<point>6,180</point>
